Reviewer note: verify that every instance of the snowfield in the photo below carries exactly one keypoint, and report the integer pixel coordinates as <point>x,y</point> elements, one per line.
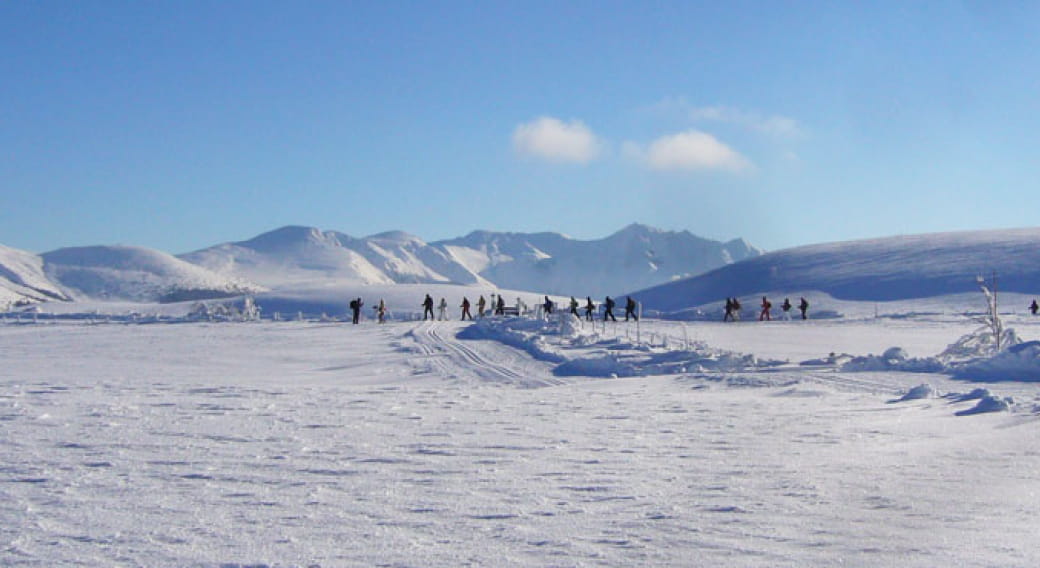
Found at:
<point>318,443</point>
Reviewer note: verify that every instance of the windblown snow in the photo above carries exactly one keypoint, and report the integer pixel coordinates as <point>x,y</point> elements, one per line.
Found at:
<point>166,440</point>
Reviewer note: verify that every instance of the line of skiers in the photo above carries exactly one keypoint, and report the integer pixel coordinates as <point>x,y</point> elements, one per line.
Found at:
<point>732,312</point>
<point>499,308</point>
<point>733,309</point>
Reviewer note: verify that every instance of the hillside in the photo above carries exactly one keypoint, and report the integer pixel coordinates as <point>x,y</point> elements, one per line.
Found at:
<point>894,268</point>
<point>136,274</point>
<point>22,278</point>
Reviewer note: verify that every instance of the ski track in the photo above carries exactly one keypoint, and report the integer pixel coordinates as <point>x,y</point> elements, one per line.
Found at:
<point>453,356</point>
<point>400,445</point>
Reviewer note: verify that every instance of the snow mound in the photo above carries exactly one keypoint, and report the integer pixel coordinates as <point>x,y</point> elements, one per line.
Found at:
<point>920,392</point>
<point>893,359</point>
<point>1020,362</point>
<point>988,404</point>
<point>137,274</point>
<point>975,394</point>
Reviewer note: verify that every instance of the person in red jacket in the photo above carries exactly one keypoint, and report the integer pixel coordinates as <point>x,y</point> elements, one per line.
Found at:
<point>766,306</point>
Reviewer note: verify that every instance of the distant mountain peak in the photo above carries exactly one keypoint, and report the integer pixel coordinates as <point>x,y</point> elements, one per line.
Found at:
<point>396,237</point>
<point>290,236</point>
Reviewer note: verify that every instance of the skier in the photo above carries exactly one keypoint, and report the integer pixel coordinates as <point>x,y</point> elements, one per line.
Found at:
<point>589,308</point>
<point>500,308</point>
<point>381,311</point>
<point>729,310</point>
<point>481,303</point>
<point>736,309</point>
<point>764,314</point>
<point>574,306</point>
<point>803,306</point>
<point>630,308</point>
<point>548,305</point>
<point>1034,307</point>
<point>465,309</point>
<point>442,309</point>
<point>608,309</point>
<point>427,308</point>
<point>786,306</point>
<point>355,307</point>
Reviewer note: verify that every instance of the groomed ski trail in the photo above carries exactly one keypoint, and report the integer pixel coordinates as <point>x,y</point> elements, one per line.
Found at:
<point>487,361</point>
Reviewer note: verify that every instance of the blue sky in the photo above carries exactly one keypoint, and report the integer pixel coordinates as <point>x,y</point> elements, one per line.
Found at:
<point>179,125</point>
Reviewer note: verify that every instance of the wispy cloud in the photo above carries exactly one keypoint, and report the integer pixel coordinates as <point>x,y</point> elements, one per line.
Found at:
<point>773,125</point>
<point>552,139</point>
<point>691,150</point>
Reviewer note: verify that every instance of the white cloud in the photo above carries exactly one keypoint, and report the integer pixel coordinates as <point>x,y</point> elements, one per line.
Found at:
<point>555,140</point>
<point>690,150</point>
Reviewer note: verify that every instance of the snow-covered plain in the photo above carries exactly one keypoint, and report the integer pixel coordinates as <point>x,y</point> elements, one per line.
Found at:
<point>322,443</point>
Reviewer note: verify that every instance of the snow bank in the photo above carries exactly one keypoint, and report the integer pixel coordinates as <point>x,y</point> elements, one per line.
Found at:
<point>1019,362</point>
<point>584,351</point>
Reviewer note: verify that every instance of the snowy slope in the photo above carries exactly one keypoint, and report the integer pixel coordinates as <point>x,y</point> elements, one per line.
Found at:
<point>407,259</point>
<point>638,256</point>
<point>288,257</point>
<point>22,278</point>
<point>903,267</point>
<point>137,274</point>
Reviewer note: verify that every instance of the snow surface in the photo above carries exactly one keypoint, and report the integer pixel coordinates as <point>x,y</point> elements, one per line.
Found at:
<point>302,443</point>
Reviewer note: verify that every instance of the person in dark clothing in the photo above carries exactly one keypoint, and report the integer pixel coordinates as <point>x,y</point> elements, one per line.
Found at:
<point>481,303</point>
<point>465,309</point>
<point>548,305</point>
<point>766,306</point>
<point>803,306</point>
<point>729,310</point>
<point>1034,307</point>
<point>608,309</point>
<point>589,308</point>
<point>630,308</point>
<point>427,308</point>
<point>355,307</point>
<point>574,306</point>
<point>500,308</point>
<point>786,306</point>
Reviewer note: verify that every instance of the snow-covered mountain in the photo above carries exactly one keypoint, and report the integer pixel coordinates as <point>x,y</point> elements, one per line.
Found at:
<point>22,278</point>
<point>137,274</point>
<point>902,267</point>
<point>294,256</point>
<point>637,256</point>
<point>289,257</point>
